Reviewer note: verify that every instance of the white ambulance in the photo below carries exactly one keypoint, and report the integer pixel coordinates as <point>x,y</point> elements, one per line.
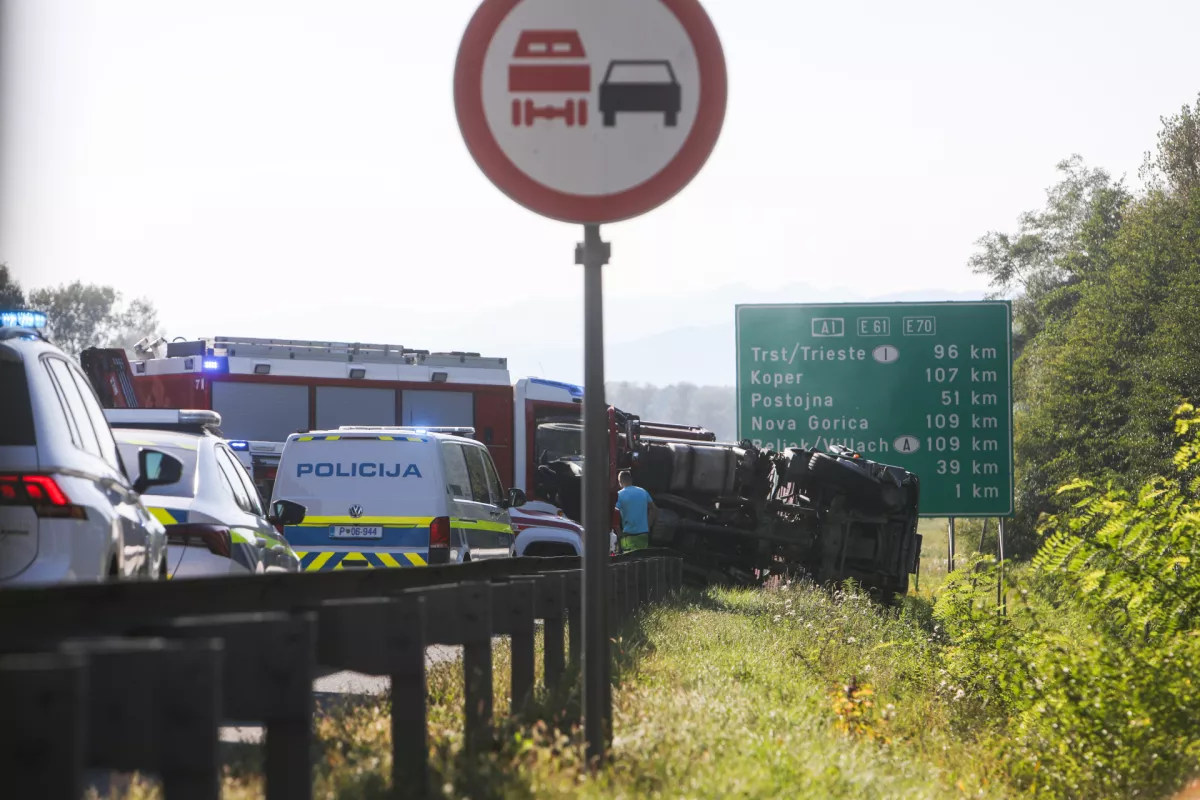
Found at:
<point>393,497</point>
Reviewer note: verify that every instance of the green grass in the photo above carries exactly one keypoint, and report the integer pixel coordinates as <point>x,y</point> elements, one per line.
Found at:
<point>719,694</point>
<point>935,545</point>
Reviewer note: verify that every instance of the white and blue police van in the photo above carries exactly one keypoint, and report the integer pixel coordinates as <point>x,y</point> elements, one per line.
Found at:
<point>393,497</point>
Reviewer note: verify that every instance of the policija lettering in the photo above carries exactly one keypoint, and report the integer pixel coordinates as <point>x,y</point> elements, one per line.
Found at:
<point>365,469</point>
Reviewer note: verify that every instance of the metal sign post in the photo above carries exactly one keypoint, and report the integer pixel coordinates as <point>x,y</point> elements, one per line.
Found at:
<point>593,254</point>
<point>950,533</point>
<point>577,119</point>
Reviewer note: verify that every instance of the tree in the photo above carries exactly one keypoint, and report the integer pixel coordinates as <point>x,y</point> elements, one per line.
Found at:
<point>1054,249</point>
<point>1109,286</point>
<point>11,294</point>
<point>1175,168</point>
<point>87,315</point>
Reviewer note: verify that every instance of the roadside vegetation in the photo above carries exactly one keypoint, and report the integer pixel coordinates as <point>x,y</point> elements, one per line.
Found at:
<point>1106,282</point>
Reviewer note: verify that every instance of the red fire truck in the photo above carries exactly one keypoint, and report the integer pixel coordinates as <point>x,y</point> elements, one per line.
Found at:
<point>265,389</point>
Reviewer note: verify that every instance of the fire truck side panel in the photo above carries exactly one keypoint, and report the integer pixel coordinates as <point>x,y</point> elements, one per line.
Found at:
<point>183,390</point>
<point>262,410</point>
<point>493,427</point>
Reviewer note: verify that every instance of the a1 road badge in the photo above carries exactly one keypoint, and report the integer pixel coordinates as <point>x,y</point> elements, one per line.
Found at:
<point>589,111</point>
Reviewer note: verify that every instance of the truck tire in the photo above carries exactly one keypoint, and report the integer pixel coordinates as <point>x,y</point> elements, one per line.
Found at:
<point>663,532</point>
<point>843,475</point>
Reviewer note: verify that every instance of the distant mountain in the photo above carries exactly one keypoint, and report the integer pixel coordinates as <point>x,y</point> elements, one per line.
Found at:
<point>673,348</point>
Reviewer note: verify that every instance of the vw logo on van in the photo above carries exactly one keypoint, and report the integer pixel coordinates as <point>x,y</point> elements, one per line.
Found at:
<point>356,511</point>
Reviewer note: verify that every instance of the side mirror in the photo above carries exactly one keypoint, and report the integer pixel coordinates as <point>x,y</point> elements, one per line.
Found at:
<point>516,498</point>
<point>285,512</point>
<point>156,468</point>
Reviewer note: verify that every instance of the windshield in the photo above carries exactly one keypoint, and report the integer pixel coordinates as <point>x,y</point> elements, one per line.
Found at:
<point>633,72</point>
<point>557,439</point>
<point>186,487</point>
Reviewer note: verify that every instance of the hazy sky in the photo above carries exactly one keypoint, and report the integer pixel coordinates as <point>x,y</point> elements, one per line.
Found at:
<point>294,169</point>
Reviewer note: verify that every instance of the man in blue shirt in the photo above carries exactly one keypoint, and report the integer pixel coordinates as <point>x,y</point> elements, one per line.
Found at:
<point>638,513</point>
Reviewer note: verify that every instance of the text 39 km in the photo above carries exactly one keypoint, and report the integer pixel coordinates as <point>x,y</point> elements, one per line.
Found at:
<point>924,386</point>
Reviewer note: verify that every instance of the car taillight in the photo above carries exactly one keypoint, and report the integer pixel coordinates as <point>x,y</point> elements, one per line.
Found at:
<point>215,538</point>
<point>439,541</point>
<point>41,492</point>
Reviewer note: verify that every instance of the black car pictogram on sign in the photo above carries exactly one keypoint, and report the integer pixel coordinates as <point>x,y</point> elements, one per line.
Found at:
<point>640,86</point>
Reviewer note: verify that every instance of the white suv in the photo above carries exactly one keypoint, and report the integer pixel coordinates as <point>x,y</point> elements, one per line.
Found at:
<point>68,510</point>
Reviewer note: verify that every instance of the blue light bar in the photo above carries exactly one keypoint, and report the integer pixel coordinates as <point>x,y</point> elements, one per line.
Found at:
<point>576,391</point>
<point>21,318</point>
<point>215,364</point>
<point>239,445</point>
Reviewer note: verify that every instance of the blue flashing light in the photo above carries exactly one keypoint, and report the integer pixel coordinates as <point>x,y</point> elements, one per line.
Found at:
<point>239,445</point>
<point>21,318</point>
<point>215,364</point>
<point>576,391</point>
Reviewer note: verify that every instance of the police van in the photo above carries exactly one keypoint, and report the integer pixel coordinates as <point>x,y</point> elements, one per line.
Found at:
<point>393,497</point>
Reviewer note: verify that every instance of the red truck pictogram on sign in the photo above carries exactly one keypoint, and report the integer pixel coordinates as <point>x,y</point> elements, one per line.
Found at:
<point>530,73</point>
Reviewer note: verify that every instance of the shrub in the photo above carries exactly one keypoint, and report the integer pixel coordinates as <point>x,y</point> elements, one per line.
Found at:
<point>1090,677</point>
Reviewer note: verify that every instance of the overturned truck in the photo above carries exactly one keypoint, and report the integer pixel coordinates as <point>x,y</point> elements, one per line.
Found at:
<point>740,514</point>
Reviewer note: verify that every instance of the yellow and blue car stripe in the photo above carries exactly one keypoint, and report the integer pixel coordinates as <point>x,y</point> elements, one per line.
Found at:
<point>405,543</point>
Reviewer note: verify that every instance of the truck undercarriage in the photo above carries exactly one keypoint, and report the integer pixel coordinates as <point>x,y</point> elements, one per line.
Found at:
<point>739,514</point>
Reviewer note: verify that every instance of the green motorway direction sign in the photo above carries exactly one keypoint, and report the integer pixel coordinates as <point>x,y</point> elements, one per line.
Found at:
<point>924,386</point>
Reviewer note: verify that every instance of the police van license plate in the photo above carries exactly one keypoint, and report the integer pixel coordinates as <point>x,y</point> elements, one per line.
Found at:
<point>355,531</point>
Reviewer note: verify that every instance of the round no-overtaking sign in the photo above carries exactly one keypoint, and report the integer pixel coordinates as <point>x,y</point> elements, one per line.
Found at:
<point>588,111</point>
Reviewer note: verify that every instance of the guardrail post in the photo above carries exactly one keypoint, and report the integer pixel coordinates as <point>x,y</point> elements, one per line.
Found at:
<point>266,677</point>
<point>410,746</point>
<point>42,744</point>
<point>386,636</point>
<point>616,597</point>
<point>517,606</point>
<point>656,579</point>
<point>475,612</point>
<point>288,751</point>
<point>154,706</point>
<point>574,593</point>
<point>551,608</point>
<point>634,582</point>
<point>633,588</point>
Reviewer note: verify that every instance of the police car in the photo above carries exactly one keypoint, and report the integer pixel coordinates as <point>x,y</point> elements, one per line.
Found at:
<point>393,497</point>
<point>214,518</point>
<point>70,509</point>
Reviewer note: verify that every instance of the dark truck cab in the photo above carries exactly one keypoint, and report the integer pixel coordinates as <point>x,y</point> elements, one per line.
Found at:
<point>640,86</point>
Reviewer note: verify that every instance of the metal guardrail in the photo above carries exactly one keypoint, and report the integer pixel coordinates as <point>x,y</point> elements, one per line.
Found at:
<point>141,676</point>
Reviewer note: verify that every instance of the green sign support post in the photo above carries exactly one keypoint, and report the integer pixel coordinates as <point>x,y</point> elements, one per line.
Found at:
<point>924,386</point>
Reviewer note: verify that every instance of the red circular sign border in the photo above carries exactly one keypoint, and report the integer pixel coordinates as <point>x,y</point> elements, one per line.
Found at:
<point>631,202</point>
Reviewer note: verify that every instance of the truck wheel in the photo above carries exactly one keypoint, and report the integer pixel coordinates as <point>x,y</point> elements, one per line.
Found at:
<point>671,119</point>
<point>828,469</point>
<point>610,119</point>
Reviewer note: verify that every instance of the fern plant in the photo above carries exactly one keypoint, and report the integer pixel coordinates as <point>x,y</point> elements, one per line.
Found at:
<point>1133,556</point>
